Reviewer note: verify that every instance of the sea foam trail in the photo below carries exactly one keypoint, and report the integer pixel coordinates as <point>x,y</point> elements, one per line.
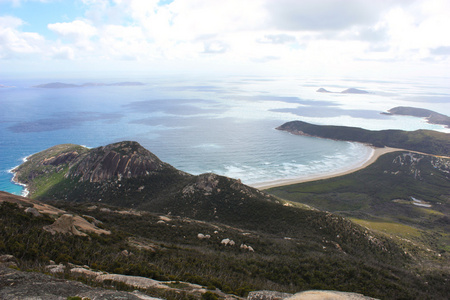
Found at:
<point>375,154</point>
<point>25,192</point>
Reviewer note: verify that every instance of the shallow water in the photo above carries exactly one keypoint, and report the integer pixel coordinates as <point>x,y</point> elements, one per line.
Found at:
<point>226,125</point>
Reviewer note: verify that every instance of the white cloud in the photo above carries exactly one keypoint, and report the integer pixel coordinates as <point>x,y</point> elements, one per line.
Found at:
<point>14,43</point>
<point>280,34</point>
<point>76,30</point>
<point>63,52</point>
<point>321,15</point>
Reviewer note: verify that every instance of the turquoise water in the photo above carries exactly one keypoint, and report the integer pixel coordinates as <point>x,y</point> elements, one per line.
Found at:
<point>226,126</point>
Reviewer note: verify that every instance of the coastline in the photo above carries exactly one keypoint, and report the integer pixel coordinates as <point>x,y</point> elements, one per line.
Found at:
<point>14,180</point>
<point>377,152</point>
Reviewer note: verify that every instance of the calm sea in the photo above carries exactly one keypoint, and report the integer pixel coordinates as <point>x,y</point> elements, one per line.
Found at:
<point>225,125</point>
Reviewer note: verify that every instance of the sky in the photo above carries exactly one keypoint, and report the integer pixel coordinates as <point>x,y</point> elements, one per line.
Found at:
<point>358,38</point>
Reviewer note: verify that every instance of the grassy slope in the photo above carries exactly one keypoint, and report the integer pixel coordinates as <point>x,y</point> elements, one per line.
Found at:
<point>379,197</point>
<point>39,177</point>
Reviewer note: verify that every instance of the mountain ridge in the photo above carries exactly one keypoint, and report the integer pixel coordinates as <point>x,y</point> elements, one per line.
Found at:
<point>187,224</point>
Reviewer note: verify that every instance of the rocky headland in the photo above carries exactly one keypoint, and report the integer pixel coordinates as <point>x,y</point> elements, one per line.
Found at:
<point>432,117</point>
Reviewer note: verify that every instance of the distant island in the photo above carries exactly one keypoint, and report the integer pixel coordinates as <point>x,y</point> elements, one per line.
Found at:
<point>432,117</point>
<point>347,91</point>
<point>61,85</point>
<point>354,91</point>
<point>427,141</point>
<point>2,86</point>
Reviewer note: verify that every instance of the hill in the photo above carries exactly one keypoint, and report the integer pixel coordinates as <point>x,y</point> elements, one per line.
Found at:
<point>427,141</point>
<point>354,91</point>
<point>207,229</point>
<point>432,117</point>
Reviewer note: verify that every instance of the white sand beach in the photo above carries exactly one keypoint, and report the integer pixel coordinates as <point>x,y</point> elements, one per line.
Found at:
<point>377,152</point>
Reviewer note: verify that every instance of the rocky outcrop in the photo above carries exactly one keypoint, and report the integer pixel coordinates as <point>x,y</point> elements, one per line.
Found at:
<point>134,281</point>
<point>328,295</point>
<point>30,285</point>
<point>119,160</point>
<point>267,295</point>
<point>70,224</point>
<point>307,295</point>
<point>65,223</point>
<point>61,158</point>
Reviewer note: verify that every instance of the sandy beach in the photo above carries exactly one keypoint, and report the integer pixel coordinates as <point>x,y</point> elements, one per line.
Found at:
<point>377,152</point>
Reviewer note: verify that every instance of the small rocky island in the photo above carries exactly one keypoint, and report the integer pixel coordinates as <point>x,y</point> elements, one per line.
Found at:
<point>432,117</point>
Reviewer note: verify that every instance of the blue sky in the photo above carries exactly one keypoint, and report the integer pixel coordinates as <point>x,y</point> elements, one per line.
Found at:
<point>274,37</point>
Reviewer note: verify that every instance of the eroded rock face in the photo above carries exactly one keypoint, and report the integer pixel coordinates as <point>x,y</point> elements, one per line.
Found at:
<point>61,159</point>
<point>120,160</point>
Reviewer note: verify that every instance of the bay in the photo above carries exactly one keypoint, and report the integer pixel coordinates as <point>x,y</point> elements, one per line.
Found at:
<point>221,125</point>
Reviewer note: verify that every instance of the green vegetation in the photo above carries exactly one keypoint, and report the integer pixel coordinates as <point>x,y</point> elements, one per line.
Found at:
<point>349,262</point>
<point>431,116</point>
<point>382,195</point>
<point>427,141</point>
<point>296,247</point>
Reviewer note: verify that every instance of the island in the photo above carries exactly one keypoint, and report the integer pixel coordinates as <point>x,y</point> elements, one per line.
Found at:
<point>347,91</point>
<point>322,90</point>
<point>432,117</point>
<point>354,91</point>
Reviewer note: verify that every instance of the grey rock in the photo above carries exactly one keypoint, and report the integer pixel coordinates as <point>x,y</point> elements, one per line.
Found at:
<point>29,285</point>
<point>33,211</point>
<point>267,295</point>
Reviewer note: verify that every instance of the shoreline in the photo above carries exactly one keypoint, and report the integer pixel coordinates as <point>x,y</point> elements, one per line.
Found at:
<point>14,180</point>
<point>377,152</point>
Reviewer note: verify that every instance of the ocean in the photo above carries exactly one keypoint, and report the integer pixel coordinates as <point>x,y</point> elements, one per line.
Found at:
<point>222,125</point>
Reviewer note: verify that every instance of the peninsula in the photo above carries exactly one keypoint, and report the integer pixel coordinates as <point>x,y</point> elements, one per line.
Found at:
<point>426,141</point>
<point>432,117</point>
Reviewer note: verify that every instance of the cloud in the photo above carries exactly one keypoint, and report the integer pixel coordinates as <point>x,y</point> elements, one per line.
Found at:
<point>76,30</point>
<point>277,39</point>
<point>283,35</point>
<point>63,52</point>
<point>14,43</point>
<point>215,47</point>
<point>313,15</point>
<point>443,50</point>
<point>265,59</point>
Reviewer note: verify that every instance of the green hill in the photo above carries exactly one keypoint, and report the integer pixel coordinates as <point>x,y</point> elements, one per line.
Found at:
<point>294,247</point>
<point>427,141</point>
<point>405,195</point>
